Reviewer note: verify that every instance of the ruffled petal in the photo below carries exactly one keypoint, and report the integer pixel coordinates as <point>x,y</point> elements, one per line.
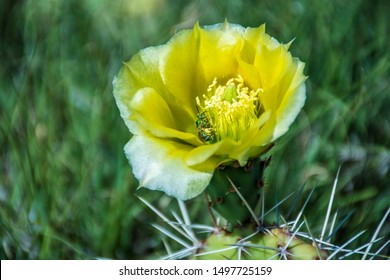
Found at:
<point>159,165</point>
<point>137,79</point>
<point>139,72</point>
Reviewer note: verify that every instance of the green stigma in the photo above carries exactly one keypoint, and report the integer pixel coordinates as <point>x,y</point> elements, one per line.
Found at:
<point>230,93</point>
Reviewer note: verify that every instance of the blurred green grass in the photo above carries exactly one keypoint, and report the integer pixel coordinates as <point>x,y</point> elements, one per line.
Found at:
<point>66,189</point>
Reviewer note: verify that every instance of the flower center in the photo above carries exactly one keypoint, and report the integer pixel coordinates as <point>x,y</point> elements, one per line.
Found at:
<point>227,110</point>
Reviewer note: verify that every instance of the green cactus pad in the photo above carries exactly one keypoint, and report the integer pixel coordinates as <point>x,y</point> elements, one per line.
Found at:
<point>224,197</point>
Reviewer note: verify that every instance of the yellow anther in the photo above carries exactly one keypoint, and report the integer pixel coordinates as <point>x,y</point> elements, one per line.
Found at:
<point>231,108</point>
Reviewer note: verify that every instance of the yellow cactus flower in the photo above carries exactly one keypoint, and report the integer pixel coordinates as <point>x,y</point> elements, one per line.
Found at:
<point>210,96</point>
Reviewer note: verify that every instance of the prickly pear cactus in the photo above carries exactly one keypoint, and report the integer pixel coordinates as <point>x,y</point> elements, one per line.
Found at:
<point>276,243</point>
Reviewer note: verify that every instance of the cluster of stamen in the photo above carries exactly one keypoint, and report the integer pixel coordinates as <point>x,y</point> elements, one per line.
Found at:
<point>229,109</point>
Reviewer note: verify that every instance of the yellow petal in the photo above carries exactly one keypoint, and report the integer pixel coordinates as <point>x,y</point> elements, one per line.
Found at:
<point>218,45</point>
<point>249,72</point>
<point>272,64</point>
<point>152,112</point>
<point>203,153</point>
<point>138,78</point>
<point>193,58</point>
<point>179,67</point>
<point>159,165</point>
<point>284,117</point>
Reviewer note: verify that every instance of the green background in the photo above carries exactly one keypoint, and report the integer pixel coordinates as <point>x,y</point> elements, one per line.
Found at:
<point>66,189</point>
